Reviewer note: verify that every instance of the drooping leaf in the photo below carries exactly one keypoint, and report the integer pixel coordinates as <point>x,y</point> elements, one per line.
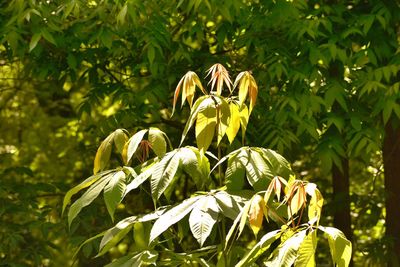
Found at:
<point>262,246</point>
<point>256,213</point>
<point>103,154</point>
<point>203,217</point>
<point>188,84</point>
<point>87,197</point>
<point>115,234</point>
<point>164,172</point>
<point>114,191</point>
<point>157,141</point>
<point>120,139</point>
<point>172,216</point>
<point>234,122</point>
<point>133,143</point>
<point>218,76</point>
<point>339,246</point>
<point>86,183</point>
<point>316,203</point>
<point>286,253</point>
<point>306,252</point>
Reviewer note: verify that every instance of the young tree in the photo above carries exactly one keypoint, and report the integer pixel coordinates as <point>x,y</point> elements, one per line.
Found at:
<point>257,183</point>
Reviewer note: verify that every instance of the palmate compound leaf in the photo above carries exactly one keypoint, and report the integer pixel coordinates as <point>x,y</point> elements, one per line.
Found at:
<point>203,217</point>
<point>172,216</point>
<point>262,246</point>
<point>286,253</point>
<point>339,246</point>
<point>114,191</point>
<point>260,164</point>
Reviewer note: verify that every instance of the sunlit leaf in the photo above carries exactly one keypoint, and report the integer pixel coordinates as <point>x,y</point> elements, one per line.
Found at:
<point>244,119</point>
<point>172,216</point>
<point>256,213</point>
<point>120,139</point>
<point>257,250</point>
<point>234,122</point>
<point>306,252</point>
<point>339,246</point>
<point>316,202</point>
<point>200,104</point>
<point>223,119</point>
<point>218,76</point>
<point>163,173</point>
<point>86,183</point>
<point>205,125</point>
<point>103,154</point>
<point>203,217</point>
<point>157,141</point>
<point>286,253</point>
<point>133,143</point>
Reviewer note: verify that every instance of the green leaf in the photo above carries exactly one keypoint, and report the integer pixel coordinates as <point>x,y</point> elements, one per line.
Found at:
<point>86,183</point>
<point>262,246</point>
<point>306,252</point>
<point>87,197</point>
<point>203,217</point>
<point>340,247</point>
<point>34,41</point>
<point>172,216</point>
<point>205,125</point>
<point>47,35</point>
<point>286,253</point>
<point>115,234</point>
<point>196,165</point>
<point>244,120</point>
<point>133,143</point>
<point>157,141</point>
<point>151,54</point>
<point>230,205</point>
<point>234,174</point>
<point>164,172</point>
<point>122,14</point>
<point>224,115</point>
<point>145,174</point>
<point>114,192</point>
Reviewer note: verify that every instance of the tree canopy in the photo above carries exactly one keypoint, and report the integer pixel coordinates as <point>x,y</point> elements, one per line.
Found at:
<point>74,71</point>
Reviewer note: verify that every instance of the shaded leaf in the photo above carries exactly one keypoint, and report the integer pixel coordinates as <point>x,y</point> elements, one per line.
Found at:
<point>132,145</point>
<point>163,173</point>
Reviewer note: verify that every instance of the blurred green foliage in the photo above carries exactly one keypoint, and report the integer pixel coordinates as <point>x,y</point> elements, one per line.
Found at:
<point>73,71</point>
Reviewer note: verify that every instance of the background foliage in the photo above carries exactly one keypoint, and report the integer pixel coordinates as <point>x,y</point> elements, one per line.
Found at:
<point>74,71</point>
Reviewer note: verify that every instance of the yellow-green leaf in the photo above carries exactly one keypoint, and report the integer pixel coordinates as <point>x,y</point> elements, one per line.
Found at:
<point>234,122</point>
<point>103,154</point>
<point>205,126</point>
<point>157,141</point>
<point>224,115</point>
<point>256,213</point>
